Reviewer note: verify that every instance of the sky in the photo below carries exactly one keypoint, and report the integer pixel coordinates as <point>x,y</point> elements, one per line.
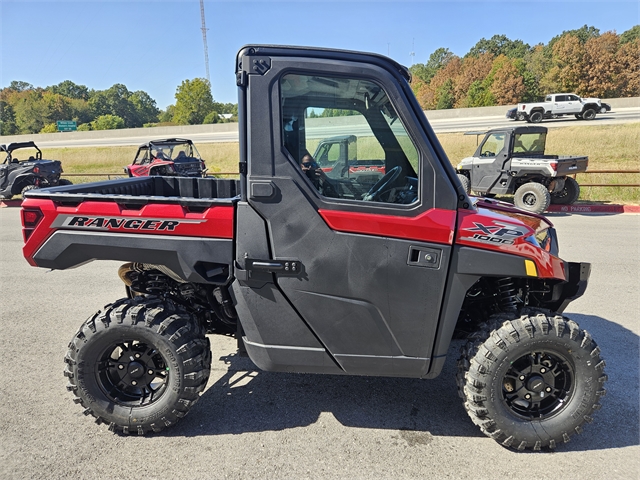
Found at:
<point>155,45</point>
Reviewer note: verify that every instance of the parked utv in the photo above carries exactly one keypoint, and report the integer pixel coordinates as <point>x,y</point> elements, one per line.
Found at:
<point>170,156</point>
<point>18,176</point>
<point>356,279</point>
<point>512,161</point>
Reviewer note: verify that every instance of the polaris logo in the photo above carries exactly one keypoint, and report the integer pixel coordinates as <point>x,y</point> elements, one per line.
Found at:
<point>119,223</point>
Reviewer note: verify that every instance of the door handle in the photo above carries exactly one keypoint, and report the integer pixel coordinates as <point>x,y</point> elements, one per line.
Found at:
<point>424,257</point>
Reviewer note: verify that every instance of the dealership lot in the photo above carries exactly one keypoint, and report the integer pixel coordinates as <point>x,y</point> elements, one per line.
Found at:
<point>251,424</point>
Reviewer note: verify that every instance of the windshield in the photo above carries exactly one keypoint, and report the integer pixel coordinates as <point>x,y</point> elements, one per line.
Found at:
<point>166,151</point>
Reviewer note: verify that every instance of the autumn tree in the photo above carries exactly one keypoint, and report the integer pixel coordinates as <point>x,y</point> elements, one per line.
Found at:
<point>565,73</point>
<point>439,92</point>
<point>437,60</point>
<point>600,68</point>
<point>507,86</point>
<point>628,79</point>
<point>472,73</point>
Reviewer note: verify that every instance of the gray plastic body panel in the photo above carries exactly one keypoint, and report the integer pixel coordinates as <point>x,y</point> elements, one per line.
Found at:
<point>194,259</point>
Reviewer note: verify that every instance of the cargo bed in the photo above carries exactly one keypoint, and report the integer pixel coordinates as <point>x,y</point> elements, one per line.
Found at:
<point>192,192</point>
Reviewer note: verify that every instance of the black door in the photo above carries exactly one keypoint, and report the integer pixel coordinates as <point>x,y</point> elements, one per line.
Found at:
<point>357,261</point>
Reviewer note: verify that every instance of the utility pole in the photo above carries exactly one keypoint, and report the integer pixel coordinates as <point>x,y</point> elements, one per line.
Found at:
<point>204,40</point>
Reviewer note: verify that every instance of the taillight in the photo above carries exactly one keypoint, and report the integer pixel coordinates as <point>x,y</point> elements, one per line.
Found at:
<point>30,219</point>
<point>36,169</point>
<point>554,166</point>
<point>524,107</point>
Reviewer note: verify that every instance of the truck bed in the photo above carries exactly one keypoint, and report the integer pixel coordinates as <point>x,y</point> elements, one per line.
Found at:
<point>564,165</point>
<point>188,191</point>
<point>185,224</point>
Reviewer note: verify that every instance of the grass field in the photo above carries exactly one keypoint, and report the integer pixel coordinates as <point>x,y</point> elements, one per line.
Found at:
<point>615,147</point>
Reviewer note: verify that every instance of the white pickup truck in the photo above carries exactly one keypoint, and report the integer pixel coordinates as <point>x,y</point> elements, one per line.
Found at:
<point>559,104</point>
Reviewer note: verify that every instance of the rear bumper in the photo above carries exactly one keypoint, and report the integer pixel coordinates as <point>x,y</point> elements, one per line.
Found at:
<point>575,286</point>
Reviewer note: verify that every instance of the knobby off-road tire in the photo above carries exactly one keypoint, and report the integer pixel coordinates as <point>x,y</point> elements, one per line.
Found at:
<point>532,382</point>
<point>140,365</point>
<point>465,182</point>
<point>532,197</point>
<point>27,188</point>
<point>568,195</point>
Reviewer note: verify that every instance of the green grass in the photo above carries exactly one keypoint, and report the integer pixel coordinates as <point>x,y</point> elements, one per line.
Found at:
<point>614,147</point>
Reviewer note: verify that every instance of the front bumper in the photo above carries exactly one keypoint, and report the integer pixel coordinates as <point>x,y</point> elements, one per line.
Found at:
<point>565,292</point>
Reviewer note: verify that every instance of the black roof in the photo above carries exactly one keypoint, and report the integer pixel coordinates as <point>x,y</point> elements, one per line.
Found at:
<point>520,129</point>
<point>16,145</point>
<point>166,141</point>
<point>317,52</point>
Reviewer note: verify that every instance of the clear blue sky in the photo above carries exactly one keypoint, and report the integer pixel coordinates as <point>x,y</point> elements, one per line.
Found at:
<point>155,45</point>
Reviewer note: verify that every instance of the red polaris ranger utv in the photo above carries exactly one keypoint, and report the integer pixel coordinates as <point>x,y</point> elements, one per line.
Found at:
<point>355,275</point>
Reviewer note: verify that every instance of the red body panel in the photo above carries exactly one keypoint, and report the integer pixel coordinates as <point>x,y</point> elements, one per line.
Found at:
<point>152,219</point>
<point>483,228</point>
<point>143,170</point>
<point>435,225</point>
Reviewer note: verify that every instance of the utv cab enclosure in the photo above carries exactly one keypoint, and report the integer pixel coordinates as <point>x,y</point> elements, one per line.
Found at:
<point>348,275</point>
<point>512,160</point>
<point>169,156</point>
<point>18,176</point>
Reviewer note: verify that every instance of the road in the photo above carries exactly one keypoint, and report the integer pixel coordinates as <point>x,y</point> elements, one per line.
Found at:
<point>625,115</point>
<point>252,424</point>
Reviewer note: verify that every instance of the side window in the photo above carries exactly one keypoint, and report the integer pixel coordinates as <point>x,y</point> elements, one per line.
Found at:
<point>347,138</point>
<point>561,98</point>
<point>573,98</point>
<point>492,145</point>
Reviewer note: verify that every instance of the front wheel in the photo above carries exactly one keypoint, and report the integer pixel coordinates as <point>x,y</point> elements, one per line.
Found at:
<point>589,114</point>
<point>140,365</point>
<point>532,197</point>
<point>532,382</point>
<point>464,180</point>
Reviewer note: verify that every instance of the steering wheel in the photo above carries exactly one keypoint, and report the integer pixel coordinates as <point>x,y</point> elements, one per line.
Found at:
<point>374,192</point>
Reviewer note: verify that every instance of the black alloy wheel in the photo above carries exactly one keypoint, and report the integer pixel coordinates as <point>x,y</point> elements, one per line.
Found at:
<point>531,382</point>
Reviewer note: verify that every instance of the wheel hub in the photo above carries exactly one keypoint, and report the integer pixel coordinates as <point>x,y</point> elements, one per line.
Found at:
<point>136,370</point>
<point>132,373</point>
<point>537,385</point>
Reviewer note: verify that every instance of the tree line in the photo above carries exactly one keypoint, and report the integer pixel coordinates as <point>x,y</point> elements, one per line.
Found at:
<point>497,71</point>
<point>25,109</point>
<point>501,71</point>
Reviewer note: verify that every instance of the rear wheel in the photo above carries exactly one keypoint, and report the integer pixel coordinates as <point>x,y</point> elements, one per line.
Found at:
<point>532,197</point>
<point>535,117</point>
<point>589,114</point>
<point>532,382</point>
<point>140,365</point>
<point>64,181</point>
<point>568,195</point>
